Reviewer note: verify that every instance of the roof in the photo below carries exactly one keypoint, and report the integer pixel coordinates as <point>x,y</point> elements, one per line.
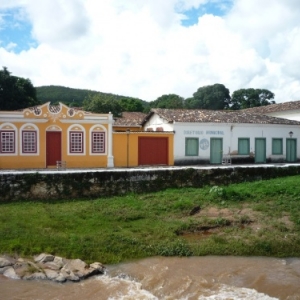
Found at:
<point>130,119</point>
<point>216,116</point>
<point>285,106</point>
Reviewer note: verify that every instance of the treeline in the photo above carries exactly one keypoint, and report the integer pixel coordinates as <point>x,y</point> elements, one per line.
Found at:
<point>81,97</point>
<point>216,97</point>
<point>17,93</point>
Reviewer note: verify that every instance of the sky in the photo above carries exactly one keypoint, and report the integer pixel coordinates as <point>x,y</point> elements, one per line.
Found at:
<point>149,48</point>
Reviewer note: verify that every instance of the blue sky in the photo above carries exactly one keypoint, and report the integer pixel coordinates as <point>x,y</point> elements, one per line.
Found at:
<point>15,31</point>
<point>214,8</point>
<point>146,48</point>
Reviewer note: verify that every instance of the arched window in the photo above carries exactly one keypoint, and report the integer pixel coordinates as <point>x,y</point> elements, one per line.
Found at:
<point>8,139</point>
<point>29,139</point>
<point>76,138</point>
<point>98,140</point>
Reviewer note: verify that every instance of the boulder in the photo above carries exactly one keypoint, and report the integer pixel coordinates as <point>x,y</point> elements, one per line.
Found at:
<point>43,258</point>
<point>4,262</point>
<point>47,266</point>
<point>35,276</point>
<point>10,273</point>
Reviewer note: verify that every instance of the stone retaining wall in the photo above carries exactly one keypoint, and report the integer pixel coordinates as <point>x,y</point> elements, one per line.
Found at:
<point>39,186</point>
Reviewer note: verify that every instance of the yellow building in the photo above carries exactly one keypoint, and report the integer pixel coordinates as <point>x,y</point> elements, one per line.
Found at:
<point>48,136</point>
<point>41,136</point>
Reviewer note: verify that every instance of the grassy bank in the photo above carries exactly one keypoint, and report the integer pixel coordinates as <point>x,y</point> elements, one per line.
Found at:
<point>258,218</point>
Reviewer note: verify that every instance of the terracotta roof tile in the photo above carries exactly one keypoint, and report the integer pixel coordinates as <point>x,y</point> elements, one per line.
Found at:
<point>217,116</point>
<point>292,105</point>
<point>130,119</point>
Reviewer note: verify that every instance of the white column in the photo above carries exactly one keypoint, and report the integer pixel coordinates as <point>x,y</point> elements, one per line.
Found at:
<point>110,158</point>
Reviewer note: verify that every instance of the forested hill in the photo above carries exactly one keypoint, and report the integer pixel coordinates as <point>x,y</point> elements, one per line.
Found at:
<point>74,97</point>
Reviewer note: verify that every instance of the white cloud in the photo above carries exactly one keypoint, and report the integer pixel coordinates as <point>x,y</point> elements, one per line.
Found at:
<point>140,49</point>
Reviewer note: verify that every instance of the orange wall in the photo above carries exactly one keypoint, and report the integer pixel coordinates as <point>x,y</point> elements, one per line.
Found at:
<point>39,161</point>
<point>125,147</point>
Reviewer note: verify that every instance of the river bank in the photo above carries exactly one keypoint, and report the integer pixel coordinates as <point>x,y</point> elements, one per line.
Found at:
<point>259,218</point>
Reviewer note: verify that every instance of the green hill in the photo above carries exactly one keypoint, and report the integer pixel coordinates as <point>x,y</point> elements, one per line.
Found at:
<point>74,97</point>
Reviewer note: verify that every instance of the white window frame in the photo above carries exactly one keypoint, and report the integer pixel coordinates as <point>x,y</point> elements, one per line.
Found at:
<point>102,130</point>
<point>8,127</point>
<point>76,129</point>
<point>27,128</point>
<point>9,146</point>
<point>29,141</point>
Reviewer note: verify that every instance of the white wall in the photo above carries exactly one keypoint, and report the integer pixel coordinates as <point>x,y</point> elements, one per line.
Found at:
<point>290,115</point>
<point>230,134</point>
<point>156,121</point>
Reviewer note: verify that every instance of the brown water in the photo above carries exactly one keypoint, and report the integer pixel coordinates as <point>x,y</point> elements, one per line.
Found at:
<point>173,278</point>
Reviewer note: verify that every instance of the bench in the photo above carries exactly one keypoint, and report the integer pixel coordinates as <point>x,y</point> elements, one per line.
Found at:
<point>226,160</point>
<point>61,164</point>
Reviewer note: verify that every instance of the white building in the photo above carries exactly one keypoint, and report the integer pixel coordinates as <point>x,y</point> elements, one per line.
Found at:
<point>210,136</point>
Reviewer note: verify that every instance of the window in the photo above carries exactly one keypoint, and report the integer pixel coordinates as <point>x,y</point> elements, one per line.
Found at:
<point>98,142</point>
<point>7,142</point>
<point>76,142</point>
<point>29,142</point>
<point>243,146</point>
<point>191,147</point>
<point>277,146</point>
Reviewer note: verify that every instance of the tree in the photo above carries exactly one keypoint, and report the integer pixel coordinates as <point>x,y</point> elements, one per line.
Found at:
<point>98,104</point>
<point>131,104</point>
<point>246,98</point>
<point>16,92</point>
<point>168,101</point>
<point>210,97</point>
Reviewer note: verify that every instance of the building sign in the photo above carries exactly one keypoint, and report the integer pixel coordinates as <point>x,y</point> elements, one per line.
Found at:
<point>200,132</point>
<point>193,132</point>
<point>204,144</point>
<point>215,132</point>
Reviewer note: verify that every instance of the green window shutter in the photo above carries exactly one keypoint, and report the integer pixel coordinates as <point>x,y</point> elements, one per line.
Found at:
<point>243,146</point>
<point>191,146</point>
<point>277,146</point>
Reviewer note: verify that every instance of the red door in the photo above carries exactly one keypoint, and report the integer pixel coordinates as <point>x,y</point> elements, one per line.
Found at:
<point>153,151</point>
<point>53,147</point>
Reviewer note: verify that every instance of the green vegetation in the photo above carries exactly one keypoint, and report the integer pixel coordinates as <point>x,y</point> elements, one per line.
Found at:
<point>257,218</point>
<point>215,96</point>
<point>82,97</point>
<point>16,92</point>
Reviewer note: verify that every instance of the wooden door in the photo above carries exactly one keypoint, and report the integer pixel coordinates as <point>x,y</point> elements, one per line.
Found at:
<point>260,150</point>
<point>216,150</point>
<point>53,147</point>
<point>291,150</point>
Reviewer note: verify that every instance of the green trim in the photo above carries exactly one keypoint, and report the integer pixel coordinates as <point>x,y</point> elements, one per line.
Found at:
<point>191,146</point>
<point>243,149</point>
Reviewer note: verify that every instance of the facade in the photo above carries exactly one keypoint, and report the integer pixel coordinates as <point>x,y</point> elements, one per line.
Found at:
<point>139,148</point>
<point>41,136</point>
<point>210,137</point>
<point>51,136</point>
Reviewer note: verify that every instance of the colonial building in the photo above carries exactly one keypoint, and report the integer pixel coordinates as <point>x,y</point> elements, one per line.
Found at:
<point>213,137</point>
<point>56,136</point>
<point>43,136</point>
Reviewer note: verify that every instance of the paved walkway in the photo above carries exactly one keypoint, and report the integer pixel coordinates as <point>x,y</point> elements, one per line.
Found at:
<point>145,168</point>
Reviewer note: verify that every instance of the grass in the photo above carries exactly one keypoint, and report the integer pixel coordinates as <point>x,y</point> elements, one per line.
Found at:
<point>116,229</point>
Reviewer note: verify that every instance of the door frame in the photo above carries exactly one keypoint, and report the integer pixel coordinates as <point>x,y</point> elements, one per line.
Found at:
<point>288,149</point>
<point>264,152</point>
<point>49,132</point>
<point>211,150</point>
